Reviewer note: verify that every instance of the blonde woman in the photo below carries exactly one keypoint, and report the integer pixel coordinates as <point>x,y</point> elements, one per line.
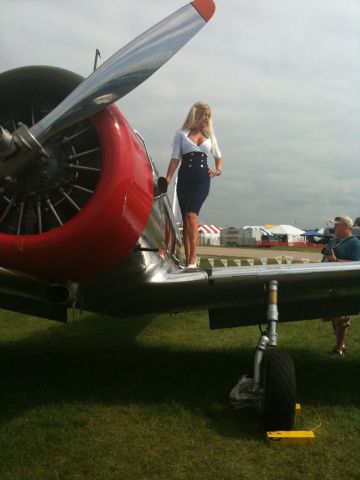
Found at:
<point>192,145</point>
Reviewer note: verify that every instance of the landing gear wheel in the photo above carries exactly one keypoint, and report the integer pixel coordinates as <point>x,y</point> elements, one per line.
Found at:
<point>279,383</point>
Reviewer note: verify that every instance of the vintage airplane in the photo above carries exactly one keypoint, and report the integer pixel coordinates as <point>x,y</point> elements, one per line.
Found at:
<point>85,221</point>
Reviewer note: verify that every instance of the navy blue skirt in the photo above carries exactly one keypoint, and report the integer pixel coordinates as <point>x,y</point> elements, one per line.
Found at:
<point>193,182</point>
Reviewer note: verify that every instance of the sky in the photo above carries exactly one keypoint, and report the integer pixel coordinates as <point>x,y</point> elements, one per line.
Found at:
<point>282,78</point>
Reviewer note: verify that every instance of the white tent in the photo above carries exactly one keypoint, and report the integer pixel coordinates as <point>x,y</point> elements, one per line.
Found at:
<point>286,230</point>
<point>289,233</point>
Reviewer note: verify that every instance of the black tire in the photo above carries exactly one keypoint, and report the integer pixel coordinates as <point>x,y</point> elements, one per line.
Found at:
<point>279,382</point>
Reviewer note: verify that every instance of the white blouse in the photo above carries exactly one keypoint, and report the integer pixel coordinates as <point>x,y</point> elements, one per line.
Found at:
<point>183,144</point>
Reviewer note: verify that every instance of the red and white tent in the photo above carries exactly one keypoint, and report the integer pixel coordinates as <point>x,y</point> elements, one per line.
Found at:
<point>209,229</point>
<point>209,234</point>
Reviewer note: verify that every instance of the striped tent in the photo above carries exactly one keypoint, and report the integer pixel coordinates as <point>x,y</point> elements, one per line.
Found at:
<point>209,234</point>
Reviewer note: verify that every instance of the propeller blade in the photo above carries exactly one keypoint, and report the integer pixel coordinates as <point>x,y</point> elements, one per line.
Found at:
<point>127,68</point>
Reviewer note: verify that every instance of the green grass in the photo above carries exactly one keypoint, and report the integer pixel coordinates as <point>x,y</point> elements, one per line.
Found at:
<point>146,398</point>
<point>269,249</point>
<point>316,249</point>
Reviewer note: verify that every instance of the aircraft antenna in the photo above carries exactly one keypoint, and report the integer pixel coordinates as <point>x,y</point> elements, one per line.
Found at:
<point>97,55</point>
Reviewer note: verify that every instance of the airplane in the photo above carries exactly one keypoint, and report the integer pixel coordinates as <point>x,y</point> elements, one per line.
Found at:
<point>85,220</point>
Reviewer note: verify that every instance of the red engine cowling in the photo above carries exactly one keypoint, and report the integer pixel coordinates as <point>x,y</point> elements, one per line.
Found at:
<point>81,211</point>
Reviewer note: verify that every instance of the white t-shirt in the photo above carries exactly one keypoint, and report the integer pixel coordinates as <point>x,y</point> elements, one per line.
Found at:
<point>183,144</point>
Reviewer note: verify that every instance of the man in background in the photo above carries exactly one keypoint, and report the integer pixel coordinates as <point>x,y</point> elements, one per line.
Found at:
<point>343,248</point>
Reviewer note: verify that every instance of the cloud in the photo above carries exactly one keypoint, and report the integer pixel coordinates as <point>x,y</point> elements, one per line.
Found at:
<point>282,78</point>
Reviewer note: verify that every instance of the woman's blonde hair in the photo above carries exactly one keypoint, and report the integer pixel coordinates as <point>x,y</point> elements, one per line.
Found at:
<point>193,118</point>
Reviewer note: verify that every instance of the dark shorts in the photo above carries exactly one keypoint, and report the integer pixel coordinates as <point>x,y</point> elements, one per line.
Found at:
<point>193,182</point>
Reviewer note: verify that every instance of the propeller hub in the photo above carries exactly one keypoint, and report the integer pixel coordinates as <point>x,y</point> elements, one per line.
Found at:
<point>46,174</point>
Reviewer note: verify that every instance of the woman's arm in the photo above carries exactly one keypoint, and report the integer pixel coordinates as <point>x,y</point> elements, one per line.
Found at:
<point>175,156</point>
<point>174,162</point>
<point>219,163</point>
<point>215,172</point>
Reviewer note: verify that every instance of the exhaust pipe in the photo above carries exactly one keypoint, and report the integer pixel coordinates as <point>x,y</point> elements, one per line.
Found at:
<point>25,286</point>
<point>61,294</point>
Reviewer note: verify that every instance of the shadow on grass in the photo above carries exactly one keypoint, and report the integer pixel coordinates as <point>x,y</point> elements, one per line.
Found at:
<point>98,360</point>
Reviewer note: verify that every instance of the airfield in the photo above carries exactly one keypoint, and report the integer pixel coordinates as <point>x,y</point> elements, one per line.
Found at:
<point>147,398</point>
<point>211,251</point>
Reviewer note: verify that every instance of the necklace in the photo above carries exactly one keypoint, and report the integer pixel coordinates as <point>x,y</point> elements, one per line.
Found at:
<point>338,242</point>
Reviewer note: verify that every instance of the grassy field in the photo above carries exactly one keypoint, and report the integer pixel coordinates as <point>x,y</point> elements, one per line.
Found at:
<point>270,249</point>
<point>294,249</point>
<point>146,398</point>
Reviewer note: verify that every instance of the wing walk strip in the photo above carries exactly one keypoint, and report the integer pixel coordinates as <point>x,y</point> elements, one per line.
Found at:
<point>249,261</point>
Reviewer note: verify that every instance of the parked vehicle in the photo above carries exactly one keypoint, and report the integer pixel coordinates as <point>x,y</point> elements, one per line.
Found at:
<point>230,237</point>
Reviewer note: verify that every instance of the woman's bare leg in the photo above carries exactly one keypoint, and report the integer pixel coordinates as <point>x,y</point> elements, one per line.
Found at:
<point>192,234</point>
<point>340,325</point>
<point>186,240</point>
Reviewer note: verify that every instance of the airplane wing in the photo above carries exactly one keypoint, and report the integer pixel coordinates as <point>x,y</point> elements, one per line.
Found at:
<point>234,296</point>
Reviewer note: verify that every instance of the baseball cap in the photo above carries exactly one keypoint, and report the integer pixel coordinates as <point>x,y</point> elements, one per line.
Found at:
<point>344,219</point>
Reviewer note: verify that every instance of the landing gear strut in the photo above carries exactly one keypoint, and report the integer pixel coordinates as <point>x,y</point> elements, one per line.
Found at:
<point>273,387</point>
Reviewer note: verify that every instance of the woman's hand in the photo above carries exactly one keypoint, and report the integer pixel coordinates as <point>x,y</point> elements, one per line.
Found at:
<point>174,163</point>
<point>213,172</point>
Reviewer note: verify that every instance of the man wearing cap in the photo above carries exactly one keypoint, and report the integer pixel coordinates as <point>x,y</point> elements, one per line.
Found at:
<point>343,248</point>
